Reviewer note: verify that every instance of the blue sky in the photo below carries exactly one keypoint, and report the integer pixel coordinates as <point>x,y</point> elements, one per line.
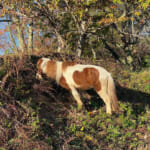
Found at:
<point>4,38</point>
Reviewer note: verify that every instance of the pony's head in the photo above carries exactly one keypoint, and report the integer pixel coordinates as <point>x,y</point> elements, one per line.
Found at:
<point>41,67</point>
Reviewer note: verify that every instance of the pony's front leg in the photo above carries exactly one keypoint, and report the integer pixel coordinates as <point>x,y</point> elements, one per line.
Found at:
<point>77,97</point>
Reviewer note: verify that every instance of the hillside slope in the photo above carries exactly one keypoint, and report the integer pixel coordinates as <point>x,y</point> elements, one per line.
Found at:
<point>41,115</point>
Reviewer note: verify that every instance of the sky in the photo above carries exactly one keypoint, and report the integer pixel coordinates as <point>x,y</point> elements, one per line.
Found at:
<point>3,38</point>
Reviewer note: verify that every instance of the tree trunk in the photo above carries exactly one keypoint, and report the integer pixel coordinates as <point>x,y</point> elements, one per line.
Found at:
<point>15,49</point>
<point>19,28</point>
<point>80,45</point>
<point>94,53</point>
<point>81,39</point>
<point>81,29</point>
<point>61,42</point>
<point>111,50</point>
<point>30,39</point>
<point>20,38</point>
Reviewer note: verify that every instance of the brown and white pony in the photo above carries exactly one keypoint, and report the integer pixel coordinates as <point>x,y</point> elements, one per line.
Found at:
<point>74,76</point>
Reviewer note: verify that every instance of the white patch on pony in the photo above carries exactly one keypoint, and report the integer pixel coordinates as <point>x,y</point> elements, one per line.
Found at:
<point>102,72</point>
<point>103,77</point>
<point>58,71</point>
<point>44,63</point>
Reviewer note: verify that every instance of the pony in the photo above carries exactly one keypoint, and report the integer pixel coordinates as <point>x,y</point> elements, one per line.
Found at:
<point>73,76</point>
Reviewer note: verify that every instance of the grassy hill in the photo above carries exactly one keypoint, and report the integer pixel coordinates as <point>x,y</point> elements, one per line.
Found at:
<point>40,115</point>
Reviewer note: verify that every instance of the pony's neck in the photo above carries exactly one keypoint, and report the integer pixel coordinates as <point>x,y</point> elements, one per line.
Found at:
<point>58,71</point>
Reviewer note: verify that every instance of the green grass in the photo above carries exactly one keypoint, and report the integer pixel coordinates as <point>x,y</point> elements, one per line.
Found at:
<point>139,81</point>
<point>112,132</point>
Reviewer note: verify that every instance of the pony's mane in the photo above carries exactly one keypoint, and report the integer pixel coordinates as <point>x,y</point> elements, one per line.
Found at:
<point>44,63</point>
<point>58,71</point>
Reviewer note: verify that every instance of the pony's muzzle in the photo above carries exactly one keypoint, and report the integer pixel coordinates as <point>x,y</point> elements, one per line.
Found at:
<point>38,76</point>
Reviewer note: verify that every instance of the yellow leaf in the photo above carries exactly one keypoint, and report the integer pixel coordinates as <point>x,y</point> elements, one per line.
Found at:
<point>82,128</point>
<point>122,19</point>
<point>132,19</point>
<point>137,13</point>
<point>110,15</point>
<point>88,137</point>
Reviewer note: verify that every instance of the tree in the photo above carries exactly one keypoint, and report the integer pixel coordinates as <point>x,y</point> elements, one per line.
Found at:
<point>12,11</point>
<point>84,27</point>
<point>127,30</point>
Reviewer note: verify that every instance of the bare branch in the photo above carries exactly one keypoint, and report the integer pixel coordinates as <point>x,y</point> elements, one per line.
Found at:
<point>3,82</point>
<point>5,20</point>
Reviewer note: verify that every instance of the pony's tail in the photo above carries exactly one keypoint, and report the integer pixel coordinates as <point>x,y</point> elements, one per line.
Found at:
<point>112,94</point>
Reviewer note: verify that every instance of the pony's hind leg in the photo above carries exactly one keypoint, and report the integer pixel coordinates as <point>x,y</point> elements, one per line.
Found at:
<point>77,97</point>
<point>106,100</point>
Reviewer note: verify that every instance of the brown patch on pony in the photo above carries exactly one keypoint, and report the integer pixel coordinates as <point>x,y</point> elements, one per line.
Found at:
<point>51,69</point>
<point>88,78</point>
<point>67,64</point>
<point>39,66</point>
<point>63,83</point>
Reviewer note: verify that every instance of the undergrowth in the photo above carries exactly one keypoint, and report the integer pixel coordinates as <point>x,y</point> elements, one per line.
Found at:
<point>139,81</point>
